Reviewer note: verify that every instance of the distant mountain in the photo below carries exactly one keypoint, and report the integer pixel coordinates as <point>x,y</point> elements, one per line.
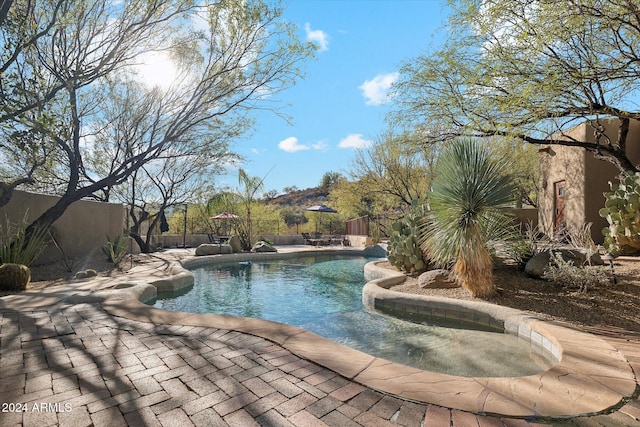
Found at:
<point>302,198</point>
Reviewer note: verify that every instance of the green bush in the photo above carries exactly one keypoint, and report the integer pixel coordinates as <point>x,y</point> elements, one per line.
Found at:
<point>404,248</point>
<point>622,211</point>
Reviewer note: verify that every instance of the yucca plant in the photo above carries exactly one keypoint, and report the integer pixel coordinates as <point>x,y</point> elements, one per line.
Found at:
<point>466,216</point>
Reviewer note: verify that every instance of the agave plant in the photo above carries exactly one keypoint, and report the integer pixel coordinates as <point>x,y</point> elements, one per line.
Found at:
<point>17,247</point>
<point>466,216</point>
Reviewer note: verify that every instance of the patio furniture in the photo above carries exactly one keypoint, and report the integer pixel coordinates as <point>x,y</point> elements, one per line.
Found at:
<point>337,240</point>
<point>217,239</point>
<point>307,239</point>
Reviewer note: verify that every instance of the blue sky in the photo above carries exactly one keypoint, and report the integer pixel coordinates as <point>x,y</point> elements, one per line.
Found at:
<point>340,105</point>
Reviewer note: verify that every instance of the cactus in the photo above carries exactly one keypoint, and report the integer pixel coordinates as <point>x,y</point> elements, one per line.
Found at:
<point>622,211</point>
<point>404,248</point>
<point>14,277</point>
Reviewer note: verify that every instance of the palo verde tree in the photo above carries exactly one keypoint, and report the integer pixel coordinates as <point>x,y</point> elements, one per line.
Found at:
<point>233,61</point>
<point>395,170</point>
<point>171,178</point>
<point>529,70</point>
<point>160,185</point>
<point>21,92</point>
<point>56,51</point>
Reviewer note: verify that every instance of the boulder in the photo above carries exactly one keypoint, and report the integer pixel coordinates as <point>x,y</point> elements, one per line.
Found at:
<point>379,251</point>
<point>539,263</point>
<point>263,247</point>
<point>436,279</point>
<point>212,249</point>
<point>236,245</point>
<point>85,274</point>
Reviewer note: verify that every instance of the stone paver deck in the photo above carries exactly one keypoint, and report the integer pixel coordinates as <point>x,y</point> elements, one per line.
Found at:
<point>73,363</point>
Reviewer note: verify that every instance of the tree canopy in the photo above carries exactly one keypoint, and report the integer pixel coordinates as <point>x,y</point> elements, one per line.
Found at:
<point>529,70</point>
<point>395,170</point>
<point>72,110</point>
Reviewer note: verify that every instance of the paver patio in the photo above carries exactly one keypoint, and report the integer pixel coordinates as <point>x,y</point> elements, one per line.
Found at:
<point>77,364</point>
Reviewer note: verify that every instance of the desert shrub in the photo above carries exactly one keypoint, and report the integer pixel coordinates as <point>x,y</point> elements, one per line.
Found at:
<point>67,262</point>
<point>568,275</point>
<point>522,246</point>
<point>115,250</point>
<point>404,248</point>
<point>16,247</point>
<point>622,211</point>
<point>581,238</point>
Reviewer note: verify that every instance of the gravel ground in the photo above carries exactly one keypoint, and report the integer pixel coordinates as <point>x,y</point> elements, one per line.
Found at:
<point>603,306</point>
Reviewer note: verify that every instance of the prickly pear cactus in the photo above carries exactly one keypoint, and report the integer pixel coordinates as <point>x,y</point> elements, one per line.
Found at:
<point>14,277</point>
<point>622,211</point>
<point>404,249</point>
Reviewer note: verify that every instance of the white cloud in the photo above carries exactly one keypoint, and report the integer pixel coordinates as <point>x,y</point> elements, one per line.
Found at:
<point>290,145</point>
<point>376,90</point>
<point>355,141</point>
<point>320,146</point>
<point>318,37</point>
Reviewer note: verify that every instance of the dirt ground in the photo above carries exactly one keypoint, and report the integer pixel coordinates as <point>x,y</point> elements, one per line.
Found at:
<point>605,306</point>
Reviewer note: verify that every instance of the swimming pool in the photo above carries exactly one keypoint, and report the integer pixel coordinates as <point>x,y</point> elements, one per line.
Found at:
<point>322,293</point>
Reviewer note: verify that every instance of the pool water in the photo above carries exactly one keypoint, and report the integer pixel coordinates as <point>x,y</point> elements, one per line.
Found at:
<point>323,294</point>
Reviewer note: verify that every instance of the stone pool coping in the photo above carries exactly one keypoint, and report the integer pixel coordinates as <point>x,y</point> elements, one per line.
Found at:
<point>590,377</point>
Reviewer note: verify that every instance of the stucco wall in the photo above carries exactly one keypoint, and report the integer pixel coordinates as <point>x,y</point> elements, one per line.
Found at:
<point>586,178</point>
<point>82,229</point>
<point>524,216</point>
<point>560,163</point>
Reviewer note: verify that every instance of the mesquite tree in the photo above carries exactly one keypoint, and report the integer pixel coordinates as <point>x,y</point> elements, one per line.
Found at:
<point>529,70</point>
<point>233,56</point>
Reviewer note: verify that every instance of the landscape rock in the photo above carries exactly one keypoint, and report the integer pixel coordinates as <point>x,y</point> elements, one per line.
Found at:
<point>263,247</point>
<point>236,245</point>
<point>379,250</point>
<point>212,249</point>
<point>85,274</point>
<point>539,263</point>
<point>436,279</point>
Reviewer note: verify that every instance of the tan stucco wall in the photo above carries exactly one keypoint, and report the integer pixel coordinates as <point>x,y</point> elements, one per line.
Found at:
<point>557,164</point>
<point>82,229</point>
<point>586,178</point>
<point>524,216</point>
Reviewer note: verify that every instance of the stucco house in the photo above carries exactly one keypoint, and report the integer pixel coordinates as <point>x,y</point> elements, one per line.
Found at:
<point>573,180</point>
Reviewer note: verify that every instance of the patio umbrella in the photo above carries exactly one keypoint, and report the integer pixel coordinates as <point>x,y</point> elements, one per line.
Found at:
<point>322,209</point>
<point>224,216</point>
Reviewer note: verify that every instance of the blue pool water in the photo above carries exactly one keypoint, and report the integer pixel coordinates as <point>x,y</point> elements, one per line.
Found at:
<point>323,294</point>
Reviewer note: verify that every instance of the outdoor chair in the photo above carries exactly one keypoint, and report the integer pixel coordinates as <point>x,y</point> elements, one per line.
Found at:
<point>218,240</point>
<point>307,239</point>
